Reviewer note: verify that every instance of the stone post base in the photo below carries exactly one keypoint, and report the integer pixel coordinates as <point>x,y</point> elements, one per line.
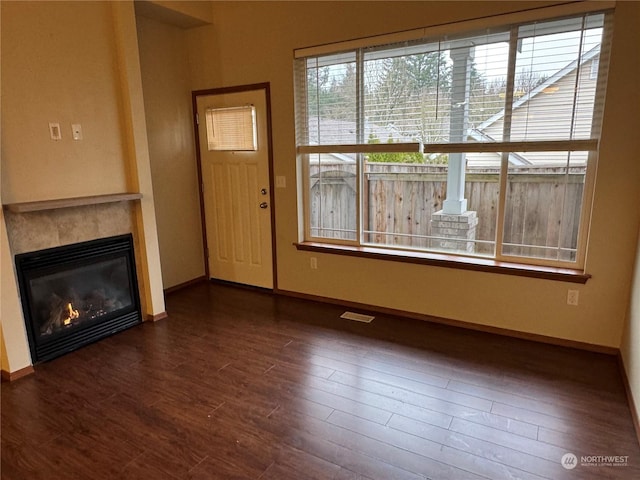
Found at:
<point>455,231</point>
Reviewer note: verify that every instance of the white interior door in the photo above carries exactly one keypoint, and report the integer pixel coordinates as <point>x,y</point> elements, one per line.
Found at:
<point>236,187</point>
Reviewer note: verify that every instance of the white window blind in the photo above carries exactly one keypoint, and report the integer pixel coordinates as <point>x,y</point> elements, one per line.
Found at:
<point>469,89</point>
<point>232,128</point>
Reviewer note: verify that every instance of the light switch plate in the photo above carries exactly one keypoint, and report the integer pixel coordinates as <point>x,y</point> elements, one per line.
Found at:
<point>54,131</point>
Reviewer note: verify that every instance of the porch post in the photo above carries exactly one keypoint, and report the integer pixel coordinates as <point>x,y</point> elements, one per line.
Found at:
<point>454,227</point>
<point>455,203</point>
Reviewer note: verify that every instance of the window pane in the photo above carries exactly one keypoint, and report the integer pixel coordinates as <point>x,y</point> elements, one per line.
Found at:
<point>488,81</point>
<point>554,90</point>
<point>403,201</point>
<point>543,205</point>
<point>332,196</point>
<point>482,191</point>
<point>400,197</point>
<point>435,92</point>
<point>331,100</point>
<point>406,94</point>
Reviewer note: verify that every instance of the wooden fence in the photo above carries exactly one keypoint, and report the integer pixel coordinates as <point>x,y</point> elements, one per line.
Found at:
<point>543,205</point>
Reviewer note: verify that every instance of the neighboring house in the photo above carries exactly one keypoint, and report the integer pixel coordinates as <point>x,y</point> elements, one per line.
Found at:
<point>541,104</point>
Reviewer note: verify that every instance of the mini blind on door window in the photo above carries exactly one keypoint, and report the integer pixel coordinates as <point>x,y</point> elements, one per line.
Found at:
<point>232,128</point>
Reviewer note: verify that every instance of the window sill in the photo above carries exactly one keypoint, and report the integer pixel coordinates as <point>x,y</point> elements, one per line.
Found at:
<point>450,261</point>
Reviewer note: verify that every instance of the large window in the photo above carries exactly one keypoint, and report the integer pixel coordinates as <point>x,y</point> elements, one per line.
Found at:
<point>478,144</point>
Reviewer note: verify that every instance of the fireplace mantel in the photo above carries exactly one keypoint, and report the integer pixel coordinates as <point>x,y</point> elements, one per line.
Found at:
<point>24,207</point>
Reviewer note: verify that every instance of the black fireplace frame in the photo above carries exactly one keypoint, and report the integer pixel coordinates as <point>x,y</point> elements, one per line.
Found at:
<point>33,264</point>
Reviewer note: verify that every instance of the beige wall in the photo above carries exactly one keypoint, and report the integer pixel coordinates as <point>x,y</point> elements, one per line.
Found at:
<point>4,360</point>
<point>252,42</point>
<point>61,72</point>
<point>73,62</point>
<point>630,347</point>
<point>181,13</point>
<point>15,347</point>
<point>167,100</point>
<point>197,10</point>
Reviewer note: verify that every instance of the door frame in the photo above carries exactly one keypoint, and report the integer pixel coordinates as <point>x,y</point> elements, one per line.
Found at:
<point>266,86</point>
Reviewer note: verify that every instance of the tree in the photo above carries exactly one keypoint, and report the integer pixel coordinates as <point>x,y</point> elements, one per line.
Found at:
<point>331,91</point>
<point>407,93</point>
<point>527,80</point>
<point>428,70</point>
<point>342,94</point>
<point>386,80</point>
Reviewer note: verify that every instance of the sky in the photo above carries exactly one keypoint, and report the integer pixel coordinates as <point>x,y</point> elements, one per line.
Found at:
<point>543,55</point>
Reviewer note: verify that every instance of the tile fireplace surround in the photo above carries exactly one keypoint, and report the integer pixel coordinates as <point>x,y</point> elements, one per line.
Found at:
<point>36,230</point>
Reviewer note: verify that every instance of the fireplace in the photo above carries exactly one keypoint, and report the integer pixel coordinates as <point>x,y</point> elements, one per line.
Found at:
<point>76,294</point>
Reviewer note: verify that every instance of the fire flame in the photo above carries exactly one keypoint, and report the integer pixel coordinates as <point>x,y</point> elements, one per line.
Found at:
<point>73,314</point>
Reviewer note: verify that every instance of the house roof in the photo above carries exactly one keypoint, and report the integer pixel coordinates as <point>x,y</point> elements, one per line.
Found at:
<point>594,52</point>
<point>514,158</point>
<point>337,132</point>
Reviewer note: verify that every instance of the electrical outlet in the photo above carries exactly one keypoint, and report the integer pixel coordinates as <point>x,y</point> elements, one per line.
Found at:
<point>572,297</point>
<point>76,130</point>
<point>313,263</point>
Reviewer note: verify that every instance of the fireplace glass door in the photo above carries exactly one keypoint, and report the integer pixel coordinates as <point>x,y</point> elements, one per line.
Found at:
<point>76,294</point>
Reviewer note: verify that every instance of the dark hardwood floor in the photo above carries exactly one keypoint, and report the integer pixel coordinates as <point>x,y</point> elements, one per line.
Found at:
<point>238,384</point>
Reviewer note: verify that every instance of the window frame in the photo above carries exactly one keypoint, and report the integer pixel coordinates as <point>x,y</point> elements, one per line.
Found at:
<point>504,148</point>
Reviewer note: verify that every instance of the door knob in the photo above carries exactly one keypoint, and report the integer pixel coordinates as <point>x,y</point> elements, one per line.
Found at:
<point>263,191</point>
<point>263,205</point>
